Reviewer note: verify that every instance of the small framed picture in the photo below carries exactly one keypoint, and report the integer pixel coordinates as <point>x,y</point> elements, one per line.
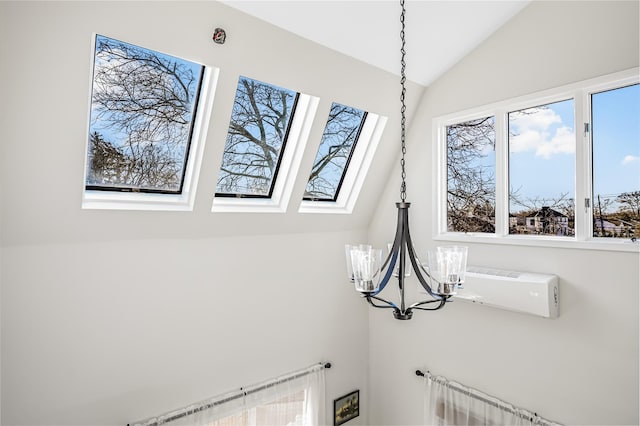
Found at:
<point>346,407</point>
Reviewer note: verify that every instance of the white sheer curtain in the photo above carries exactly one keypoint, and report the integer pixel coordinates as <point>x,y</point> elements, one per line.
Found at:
<point>295,399</point>
<point>450,403</point>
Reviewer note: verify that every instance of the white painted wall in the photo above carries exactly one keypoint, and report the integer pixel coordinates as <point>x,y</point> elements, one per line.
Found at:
<point>108,317</point>
<point>113,332</point>
<point>581,368</point>
<point>112,316</point>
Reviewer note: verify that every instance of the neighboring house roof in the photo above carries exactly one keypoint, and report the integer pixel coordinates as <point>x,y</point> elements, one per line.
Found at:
<point>548,212</point>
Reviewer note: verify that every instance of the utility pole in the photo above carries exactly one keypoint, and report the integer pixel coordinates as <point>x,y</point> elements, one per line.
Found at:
<point>600,211</point>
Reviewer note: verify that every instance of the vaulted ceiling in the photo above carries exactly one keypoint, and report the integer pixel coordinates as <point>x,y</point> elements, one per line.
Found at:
<point>438,33</point>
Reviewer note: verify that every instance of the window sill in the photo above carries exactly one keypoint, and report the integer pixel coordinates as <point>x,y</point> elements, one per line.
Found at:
<point>246,205</point>
<point>326,207</point>
<point>625,245</point>
<point>105,200</point>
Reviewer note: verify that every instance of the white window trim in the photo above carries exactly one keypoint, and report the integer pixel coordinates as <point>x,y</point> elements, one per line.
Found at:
<point>289,166</point>
<point>587,164</point>
<point>115,200</point>
<point>357,170</point>
<point>583,239</point>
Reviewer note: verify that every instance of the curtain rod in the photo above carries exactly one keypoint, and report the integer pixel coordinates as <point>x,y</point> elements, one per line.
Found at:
<point>502,405</point>
<point>505,406</point>
<point>212,402</point>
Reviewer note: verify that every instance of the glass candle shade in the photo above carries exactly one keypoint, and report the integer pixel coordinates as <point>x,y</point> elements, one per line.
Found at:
<point>347,250</point>
<point>366,263</point>
<point>447,267</point>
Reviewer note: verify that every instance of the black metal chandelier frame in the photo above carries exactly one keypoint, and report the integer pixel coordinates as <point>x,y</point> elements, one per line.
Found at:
<point>402,245</point>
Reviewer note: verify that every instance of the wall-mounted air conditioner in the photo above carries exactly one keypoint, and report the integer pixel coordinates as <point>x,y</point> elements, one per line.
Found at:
<point>525,292</point>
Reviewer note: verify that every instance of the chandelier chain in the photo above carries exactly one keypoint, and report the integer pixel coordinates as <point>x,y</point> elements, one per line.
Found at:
<point>403,108</point>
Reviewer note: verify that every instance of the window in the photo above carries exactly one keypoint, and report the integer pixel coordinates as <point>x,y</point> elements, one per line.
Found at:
<point>284,411</point>
<point>616,162</point>
<point>559,168</point>
<point>258,132</point>
<point>471,163</point>
<point>296,398</point>
<point>348,144</point>
<point>267,134</point>
<point>339,139</point>
<point>542,146</point>
<point>144,127</point>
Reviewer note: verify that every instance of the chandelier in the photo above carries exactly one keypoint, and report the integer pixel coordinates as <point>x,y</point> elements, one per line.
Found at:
<point>446,266</point>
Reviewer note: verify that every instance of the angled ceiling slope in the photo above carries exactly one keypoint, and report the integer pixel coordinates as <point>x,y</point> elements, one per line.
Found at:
<point>438,33</point>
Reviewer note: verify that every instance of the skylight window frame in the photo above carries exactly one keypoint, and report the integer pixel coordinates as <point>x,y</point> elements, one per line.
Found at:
<point>583,238</point>
<point>291,157</point>
<point>94,198</point>
<point>283,147</point>
<point>346,166</point>
<point>184,163</point>
<point>359,165</point>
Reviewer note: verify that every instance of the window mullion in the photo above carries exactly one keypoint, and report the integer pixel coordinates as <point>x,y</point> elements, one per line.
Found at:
<point>439,186</point>
<point>583,202</point>
<point>502,174</point>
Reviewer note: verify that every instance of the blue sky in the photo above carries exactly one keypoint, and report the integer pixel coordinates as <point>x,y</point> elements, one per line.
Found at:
<point>335,133</point>
<point>105,127</point>
<point>542,155</point>
<point>616,140</point>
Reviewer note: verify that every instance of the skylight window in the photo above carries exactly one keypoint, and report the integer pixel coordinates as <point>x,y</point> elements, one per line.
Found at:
<point>268,132</point>
<point>258,132</point>
<point>142,110</point>
<point>334,153</point>
<point>143,128</point>
<point>344,156</point>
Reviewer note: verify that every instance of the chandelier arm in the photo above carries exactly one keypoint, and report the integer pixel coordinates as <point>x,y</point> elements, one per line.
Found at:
<point>387,275</point>
<point>440,305</point>
<point>416,268</point>
<point>425,302</point>
<point>390,305</point>
<point>392,258</point>
<point>396,240</point>
<point>425,271</point>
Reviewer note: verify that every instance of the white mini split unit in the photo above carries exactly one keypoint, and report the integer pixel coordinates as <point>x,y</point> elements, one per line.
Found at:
<point>525,292</point>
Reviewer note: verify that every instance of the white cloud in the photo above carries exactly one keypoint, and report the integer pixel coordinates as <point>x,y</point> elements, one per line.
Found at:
<point>628,159</point>
<point>535,119</point>
<point>526,140</point>
<point>534,132</point>
<point>563,142</point>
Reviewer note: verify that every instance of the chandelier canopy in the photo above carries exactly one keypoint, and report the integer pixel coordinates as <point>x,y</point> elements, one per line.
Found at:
<point>446,266</point>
